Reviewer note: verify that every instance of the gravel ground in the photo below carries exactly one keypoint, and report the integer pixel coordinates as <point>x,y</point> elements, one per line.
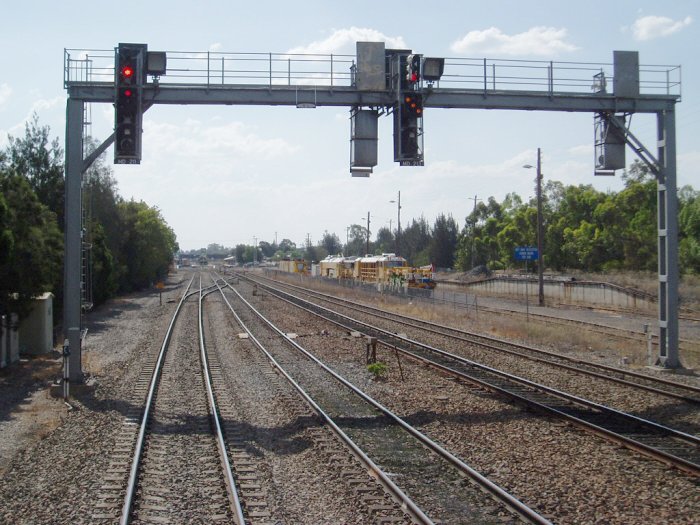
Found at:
<point>588,480</point>
<point>54,474</point>
<point>52,459</point>
<point>675,413</point>
<point>291,451</point>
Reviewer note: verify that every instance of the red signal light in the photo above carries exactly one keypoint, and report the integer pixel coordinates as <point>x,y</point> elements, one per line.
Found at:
<point>127,71</point>
<point>128,92</point>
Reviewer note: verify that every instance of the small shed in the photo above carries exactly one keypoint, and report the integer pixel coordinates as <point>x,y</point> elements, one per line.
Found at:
<point>36,330</point>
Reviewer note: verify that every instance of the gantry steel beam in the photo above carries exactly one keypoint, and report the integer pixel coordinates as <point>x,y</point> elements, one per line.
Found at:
<point>347,96</point>
<point>86,91</point>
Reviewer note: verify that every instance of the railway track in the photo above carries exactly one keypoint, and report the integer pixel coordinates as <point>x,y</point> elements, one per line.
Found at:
<point>179,469</point>
<point>431,483</point>
<point>631,378</point>
<point>660,442</point>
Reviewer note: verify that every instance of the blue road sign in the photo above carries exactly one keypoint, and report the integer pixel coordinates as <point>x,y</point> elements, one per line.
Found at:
<point>525,253</point>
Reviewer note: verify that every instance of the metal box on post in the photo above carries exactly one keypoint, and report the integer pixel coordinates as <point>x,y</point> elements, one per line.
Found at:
<point>364,136</point>
<point>626,74</point>
<point>609,147</point>
<point>9,340</point>
<point>371,66</point>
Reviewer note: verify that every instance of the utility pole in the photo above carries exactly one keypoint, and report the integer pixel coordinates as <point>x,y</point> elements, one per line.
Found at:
<point>255,249</point>
<point>473,226</point>
<point>540,234</point>
<point>347,239</point>
<point>367,249</point>
<point>398,232</point>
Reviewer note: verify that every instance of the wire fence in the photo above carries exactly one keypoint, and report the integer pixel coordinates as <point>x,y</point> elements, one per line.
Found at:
<point>462,301</point>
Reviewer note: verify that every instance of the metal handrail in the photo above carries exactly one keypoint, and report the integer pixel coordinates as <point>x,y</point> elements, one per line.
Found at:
<point>291,69</point>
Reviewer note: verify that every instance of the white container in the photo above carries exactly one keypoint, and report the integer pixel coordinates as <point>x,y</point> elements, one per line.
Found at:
<point>36,330</point>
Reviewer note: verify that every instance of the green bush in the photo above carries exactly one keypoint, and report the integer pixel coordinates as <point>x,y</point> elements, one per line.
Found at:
<point>378,369</point>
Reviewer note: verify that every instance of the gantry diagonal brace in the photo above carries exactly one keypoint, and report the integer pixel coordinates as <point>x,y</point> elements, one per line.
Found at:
<point>633,142</point>
<point>87,162</point>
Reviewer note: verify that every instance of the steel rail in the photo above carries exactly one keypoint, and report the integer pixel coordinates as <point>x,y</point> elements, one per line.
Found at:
<point>503,497</point>
<point>691,467</point>
<point>406,503</point>
<point>138,451</point>
<point>464,335</point>
<point>231,487</point>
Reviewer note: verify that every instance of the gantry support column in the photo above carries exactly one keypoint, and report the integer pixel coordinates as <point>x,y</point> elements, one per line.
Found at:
<point>668,240</point>
<point>73,235</point>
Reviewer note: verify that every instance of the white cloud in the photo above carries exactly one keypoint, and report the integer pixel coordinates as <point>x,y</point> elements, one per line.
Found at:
<point>581,150</point>
<point>194,138</point>
<point>343,41</point>
<point>42,107</point>
<point>650,27</point>
<point>44,104</point>
<point>215,47</point>
<point>5,92</point>
<point>540,41</point>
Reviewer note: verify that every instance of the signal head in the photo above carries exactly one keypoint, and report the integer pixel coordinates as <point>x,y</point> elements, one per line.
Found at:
<point>127,71</point>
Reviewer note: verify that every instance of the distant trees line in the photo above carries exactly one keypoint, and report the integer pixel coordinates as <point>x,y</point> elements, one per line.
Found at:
<point>131,244</point>
<point>584,229</point>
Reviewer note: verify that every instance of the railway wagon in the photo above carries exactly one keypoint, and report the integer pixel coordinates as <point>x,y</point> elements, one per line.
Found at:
<point>421,277</point>
<point>379,268</point>
<point>294,266</point>
<point>338,267</point>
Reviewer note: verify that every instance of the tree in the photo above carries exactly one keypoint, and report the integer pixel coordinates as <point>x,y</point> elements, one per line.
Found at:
<point>415,241</point>
<point>443,242</point>
<point>385,241</point>
<point>331,243</point>
<point>6,237</point>
<point>638,231</point>
<point>357,240</point>
<point>216,251</point>
<point>240,252</point>
<point>148,245</point>
<point>287,246</point>
<point>105,277</point>
<point>104,228</point>
<point>40,161</point>
<point>689,230</point>
<point>267,249</point>
<point>32,263</point>
<point>313,254</point>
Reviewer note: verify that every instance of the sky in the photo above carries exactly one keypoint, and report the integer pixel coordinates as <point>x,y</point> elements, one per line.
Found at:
<point>232,174</point>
